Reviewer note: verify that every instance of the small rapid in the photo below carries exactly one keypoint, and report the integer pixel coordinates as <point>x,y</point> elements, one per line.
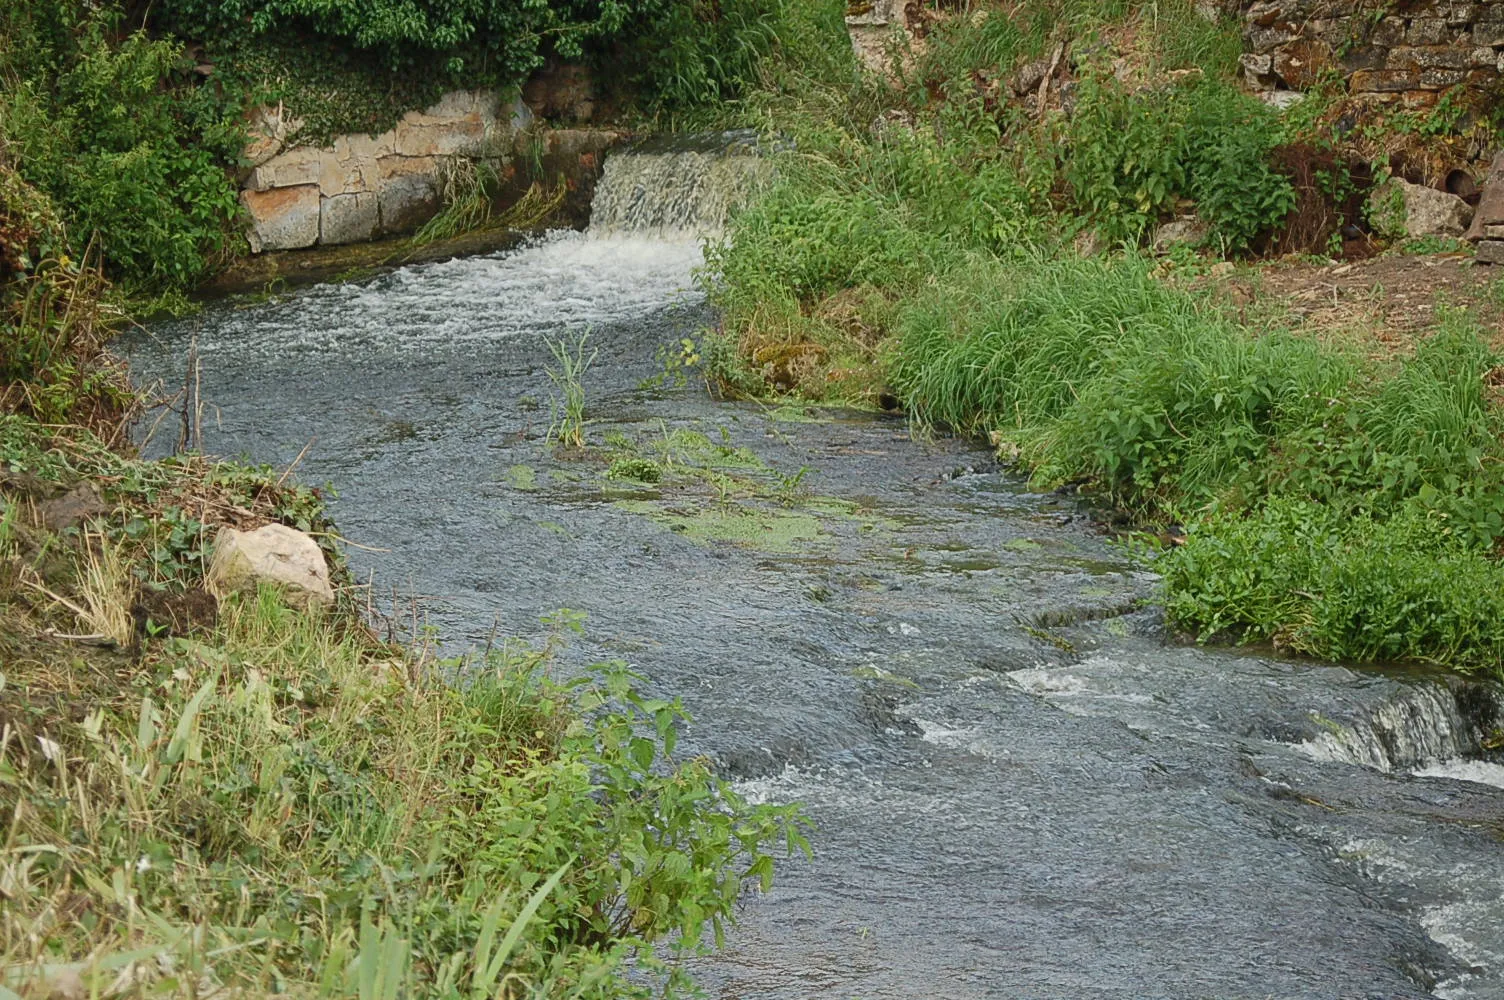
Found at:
<point>1436,730</point>
<point>1021,786</point>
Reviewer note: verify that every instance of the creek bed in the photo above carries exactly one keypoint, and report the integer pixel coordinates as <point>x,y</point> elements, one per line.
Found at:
<point>1021,787</point>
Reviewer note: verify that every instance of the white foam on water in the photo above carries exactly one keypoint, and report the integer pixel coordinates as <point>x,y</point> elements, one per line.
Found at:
<point>1420,728</point>
<point>563,282</point>
<point>671,194</point>
<point>1454,926</point>
<point>794,784</point>
<point>1468,926</point>
<point>1045,681</point>
<point>1477,771</point>
<point>1077,695</point>
<point>969,739</point>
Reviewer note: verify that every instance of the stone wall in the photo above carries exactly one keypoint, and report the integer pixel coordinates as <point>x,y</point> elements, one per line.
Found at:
<point>874,27</point>
<point>365,186</point>
<point>1409,53</point>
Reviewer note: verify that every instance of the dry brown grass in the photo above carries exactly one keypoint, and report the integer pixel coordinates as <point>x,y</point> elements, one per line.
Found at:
<point>1382,306</point>
<point>828,350</point>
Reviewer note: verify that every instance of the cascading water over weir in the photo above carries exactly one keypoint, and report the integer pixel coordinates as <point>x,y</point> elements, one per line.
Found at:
<point>1099,812</point>
<point>677,189</point>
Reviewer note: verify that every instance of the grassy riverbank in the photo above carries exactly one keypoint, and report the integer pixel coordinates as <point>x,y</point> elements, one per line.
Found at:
<point>222,795</point>
<point>981,261</point>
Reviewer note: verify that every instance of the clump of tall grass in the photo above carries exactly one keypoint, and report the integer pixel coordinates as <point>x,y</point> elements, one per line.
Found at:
<point>1093,369</point>
<point>1094,372</point>
<point>995,39</point>
<point>467,196</point>
<point>571,363</point>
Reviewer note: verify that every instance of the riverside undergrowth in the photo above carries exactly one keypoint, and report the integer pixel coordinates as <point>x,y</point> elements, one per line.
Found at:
<point>281,806</point>
<point>1332,503</point>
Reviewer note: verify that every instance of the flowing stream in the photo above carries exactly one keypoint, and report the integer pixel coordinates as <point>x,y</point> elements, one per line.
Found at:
<point>1021,787</point>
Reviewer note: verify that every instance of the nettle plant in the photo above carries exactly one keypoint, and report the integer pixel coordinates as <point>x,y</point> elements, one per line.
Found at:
<point>1133,155</point>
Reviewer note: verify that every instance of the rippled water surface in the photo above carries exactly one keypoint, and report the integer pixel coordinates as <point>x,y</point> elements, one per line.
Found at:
<point>1021,788</point>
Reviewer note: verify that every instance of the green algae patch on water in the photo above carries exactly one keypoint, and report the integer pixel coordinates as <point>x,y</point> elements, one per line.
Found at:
<point>759,528</point>
<point>875,673</point>
<point>864,517</point>
<point>522,477</point>
<point>789,413</point>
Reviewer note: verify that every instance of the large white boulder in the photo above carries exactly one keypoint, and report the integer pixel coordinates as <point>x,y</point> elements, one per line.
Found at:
<point>1399,208</point>
<point>274,554</point>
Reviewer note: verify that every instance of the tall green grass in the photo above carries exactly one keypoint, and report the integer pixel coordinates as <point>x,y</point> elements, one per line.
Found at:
<point>1344,507</point>
<point>280,807</point>
<point>1170,35</point>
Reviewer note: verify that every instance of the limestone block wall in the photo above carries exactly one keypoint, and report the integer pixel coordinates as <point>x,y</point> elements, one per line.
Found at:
<point>365,186</point>
<point>1408,52</point>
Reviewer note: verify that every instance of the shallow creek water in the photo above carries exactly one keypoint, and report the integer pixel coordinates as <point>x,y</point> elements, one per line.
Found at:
<point>1021,787</point>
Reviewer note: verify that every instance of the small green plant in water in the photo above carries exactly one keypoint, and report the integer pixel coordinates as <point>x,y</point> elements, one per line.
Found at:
<point>637,470</point>
<point>567,427</point>
<point>676,360</point>
<point>467,197</point>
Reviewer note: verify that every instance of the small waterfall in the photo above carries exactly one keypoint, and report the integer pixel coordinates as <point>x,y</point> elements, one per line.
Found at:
<point>1425,725</point>
<point>686,187</point>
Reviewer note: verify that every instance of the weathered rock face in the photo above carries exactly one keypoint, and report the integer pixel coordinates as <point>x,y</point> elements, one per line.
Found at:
<point>1490,211</point>
<point>1408,53</point>
<point>1491,252</point>
<point>349,218</point>
<point>283,218</point>
<point>1189,231</point>
<point>1399,208</point>
<point>272,554</point>
<point>873,30</point>
<point>363,186</point>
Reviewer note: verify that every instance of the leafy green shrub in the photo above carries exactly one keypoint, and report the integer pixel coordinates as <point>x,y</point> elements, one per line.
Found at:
<point>287,775</point>
<point>53,319</point>
<point>1428,430</point>
<point>1227,145</point>
<point>1124,164</point>
<point>670,53</point>
<point>1182,413</point>
<point>1328,581</point>
<point>132,152</point>
<point>493,40</point>
<point>1133,154</point>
